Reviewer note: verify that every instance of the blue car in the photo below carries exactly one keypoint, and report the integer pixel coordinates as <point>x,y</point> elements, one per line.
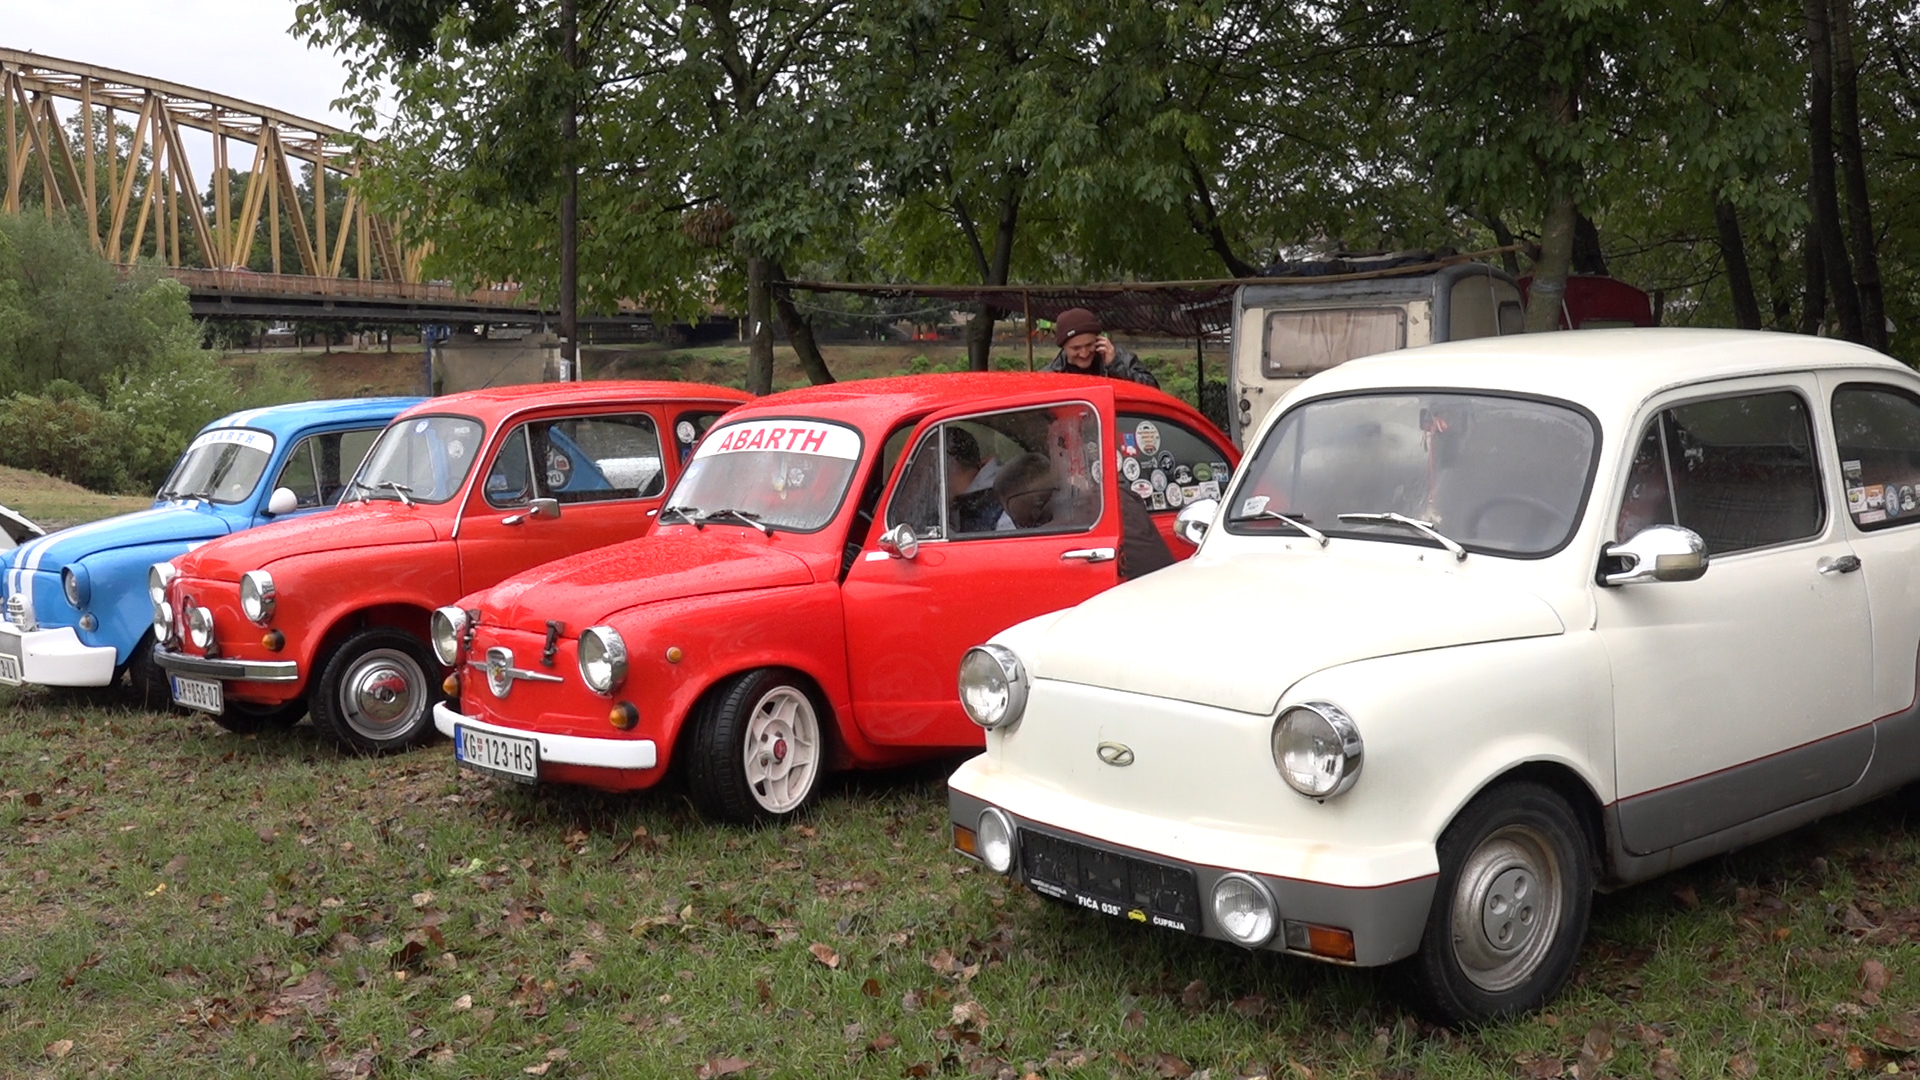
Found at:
<point>77,611</point>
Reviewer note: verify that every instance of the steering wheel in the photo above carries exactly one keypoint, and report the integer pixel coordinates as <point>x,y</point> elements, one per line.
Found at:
<point>1551,517</point>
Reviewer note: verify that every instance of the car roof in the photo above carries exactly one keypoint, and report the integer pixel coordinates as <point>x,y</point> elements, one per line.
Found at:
<point>284,420</point>
<point>495,402</point>
<point>882,401</point>
<point>1605,370</point>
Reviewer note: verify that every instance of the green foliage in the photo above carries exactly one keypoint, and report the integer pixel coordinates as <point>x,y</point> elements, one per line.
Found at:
<point>71,437</point>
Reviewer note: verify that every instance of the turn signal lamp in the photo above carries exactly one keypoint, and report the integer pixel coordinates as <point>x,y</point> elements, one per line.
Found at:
<point>274,641</point>
<point>964,842</point>
<point>1332,942</point>
<point>451,685</point>
<point>624,716</point>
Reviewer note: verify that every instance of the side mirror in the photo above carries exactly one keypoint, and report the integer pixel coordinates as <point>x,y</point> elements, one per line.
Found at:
<point>282,501</point>
<point>1655,553</point>
<point>538,508</point>
<point>1195,519</point>
<point>901,541</point>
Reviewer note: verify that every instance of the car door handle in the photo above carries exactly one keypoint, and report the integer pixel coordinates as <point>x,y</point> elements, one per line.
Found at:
<point>1091,555</point>
<point>1844,564</point>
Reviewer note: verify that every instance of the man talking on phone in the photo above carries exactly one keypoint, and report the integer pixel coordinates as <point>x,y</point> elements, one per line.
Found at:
<point>1085,349</point>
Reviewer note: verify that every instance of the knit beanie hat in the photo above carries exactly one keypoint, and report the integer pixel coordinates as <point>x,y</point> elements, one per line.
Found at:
<point>1073,322</point>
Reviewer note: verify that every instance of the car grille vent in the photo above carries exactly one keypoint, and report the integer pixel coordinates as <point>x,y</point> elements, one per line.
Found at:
<point>19,613</point>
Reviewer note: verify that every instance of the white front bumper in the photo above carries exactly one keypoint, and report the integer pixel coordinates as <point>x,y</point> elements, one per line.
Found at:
<point>560,749</point>
<point>55,657</point>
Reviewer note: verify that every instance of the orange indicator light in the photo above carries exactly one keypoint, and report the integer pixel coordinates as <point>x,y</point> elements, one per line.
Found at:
<point>451,686</point>
<point>274,641</point>
<point>963,841</point>
<point>624,716</point>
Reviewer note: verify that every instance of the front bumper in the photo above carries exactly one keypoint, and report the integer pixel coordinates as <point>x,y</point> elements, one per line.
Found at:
<point>560,749</point>
<point>1386,921</point>
<point>54,656</point>
<point>202,667</point>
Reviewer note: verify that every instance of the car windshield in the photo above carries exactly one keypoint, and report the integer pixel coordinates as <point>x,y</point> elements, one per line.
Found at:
<point>422,459</point>
<point>1492,473</point>
<point>221,465</point>
<point>786,475</point>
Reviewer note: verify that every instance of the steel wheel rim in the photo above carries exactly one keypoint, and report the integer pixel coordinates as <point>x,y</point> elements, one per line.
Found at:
<point>1507,908</point>
<point>383,695</point>
<point>782,749</point>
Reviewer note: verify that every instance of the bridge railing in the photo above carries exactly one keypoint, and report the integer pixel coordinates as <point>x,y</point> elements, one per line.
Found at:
<point>254,283</point>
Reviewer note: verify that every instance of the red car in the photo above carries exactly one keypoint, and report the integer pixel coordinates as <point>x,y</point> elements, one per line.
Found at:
<point>329,612</point>
<point>817,573</point>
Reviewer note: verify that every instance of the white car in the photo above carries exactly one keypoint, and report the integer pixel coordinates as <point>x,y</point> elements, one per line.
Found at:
<point>1478,629</point>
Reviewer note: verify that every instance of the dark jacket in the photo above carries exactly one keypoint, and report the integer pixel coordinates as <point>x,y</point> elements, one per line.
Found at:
<point>1124,365</point>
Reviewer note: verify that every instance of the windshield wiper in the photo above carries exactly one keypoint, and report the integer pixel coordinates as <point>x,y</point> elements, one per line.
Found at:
<point>397,488</point>
<point>1299,524</point>
<point>739,515</point>
<point>1424,528</point>
<point>688,514</point>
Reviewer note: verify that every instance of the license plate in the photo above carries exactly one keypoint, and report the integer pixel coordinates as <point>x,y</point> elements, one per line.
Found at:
<point>502,755</point>
<point>9,670</point>
<point>202,694</point>
<point>1110,883</point>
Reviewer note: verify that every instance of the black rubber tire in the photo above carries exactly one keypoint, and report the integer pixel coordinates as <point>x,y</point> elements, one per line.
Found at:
<point>1515,862</point>
<point>757,724</point>
<point>148,686</point>
<point>404,663</point>
<point>246,718</point>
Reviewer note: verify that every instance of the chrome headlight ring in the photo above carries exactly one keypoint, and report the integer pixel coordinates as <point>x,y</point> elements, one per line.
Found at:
<point>200,627</point>
<point>1317,748</point>
<point>993,686</point>
<point>75,584</point>
<point>159,576</point>
<point>995,843</point>
<point>256,596</point>
<point>447,630</point>
<point>1244,909</point>
<point>603,658</point>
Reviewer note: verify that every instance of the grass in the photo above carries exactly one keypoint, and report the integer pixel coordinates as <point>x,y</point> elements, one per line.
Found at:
<point>176,900</point>
<point>54,504</point>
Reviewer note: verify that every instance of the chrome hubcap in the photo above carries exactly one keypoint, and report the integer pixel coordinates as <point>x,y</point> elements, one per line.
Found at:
<point>1506,908</point>
<point>782,749</point>
<point>383,694</point>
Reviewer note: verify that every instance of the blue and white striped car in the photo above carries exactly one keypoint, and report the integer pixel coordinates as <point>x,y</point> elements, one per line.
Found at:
<point>76,606</point>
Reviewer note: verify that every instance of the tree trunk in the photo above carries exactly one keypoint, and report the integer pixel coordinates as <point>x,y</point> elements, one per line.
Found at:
<point>1549,286</point>
<point>1733,252</point>
<point>980,330</point>
<point>569,204</point>
<point>1813,310</point>
<point>1205,219</point>
<point>799,330</point>
<point>759,325</point>
<point>1853,170</point>
<point>1503,236</point>
<point>1820,186</point>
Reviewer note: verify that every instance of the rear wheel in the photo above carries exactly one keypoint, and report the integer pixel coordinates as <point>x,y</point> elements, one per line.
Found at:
<point>1515,890</point>
<point>757,749</point>
<point>376,693</point>
<point>247,718</point>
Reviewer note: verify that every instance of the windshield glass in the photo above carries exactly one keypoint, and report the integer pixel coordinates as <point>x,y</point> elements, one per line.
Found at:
<point>1505,475</point>
<point>785,474</point>
<point>423,459</point>
<point>220,466</point>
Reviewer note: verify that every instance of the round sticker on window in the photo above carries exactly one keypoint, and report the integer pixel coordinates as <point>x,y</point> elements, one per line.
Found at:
<point>556,478</point>
<point>559,462</point>
<point>1182,474</point>
<point>456,449</point>
<point>685,431</point>
<point>1148,436</point>
<point>1158,479</point>
<point>1202,472</point>
<point>1143,489</point>
<point>1166,460</point>
<point>1175,496</point>
<point>419,427</point>
<point>1130,468</point>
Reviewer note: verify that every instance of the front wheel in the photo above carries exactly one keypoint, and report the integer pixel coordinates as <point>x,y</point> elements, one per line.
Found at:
<point>375,693</point>
<point>758,749</point>
<point>246,718</point>
<point>1510,912</point>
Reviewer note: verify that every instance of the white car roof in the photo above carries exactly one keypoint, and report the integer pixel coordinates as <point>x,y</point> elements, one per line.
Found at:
<point>1608,371</point>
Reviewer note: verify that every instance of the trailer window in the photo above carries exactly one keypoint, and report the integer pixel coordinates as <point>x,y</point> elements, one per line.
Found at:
<point>1302,343</point>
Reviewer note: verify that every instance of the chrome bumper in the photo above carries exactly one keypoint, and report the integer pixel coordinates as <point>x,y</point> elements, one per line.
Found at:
<point>201,667</point>
<point>54,656</point>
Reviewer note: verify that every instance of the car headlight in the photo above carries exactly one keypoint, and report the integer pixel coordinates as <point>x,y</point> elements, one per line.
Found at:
<point>995,843</point>
<point>603,658</point>
<point>1244,910</point>
<point>993,686</point>
<point>73,582</point>
<point>446,628</point>
<point>200,627</point>
<point>159,576</point>
<point>256,596</point>
<point>1317,748</point>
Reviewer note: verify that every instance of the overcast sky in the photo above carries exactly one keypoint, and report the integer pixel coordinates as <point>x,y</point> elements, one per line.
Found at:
<point>240,48</point>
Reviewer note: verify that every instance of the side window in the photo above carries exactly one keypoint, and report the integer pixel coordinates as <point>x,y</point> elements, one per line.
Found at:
<point>1739,471</point>
<point>1029,470</point>
<point>1166,465</point>
<point>301,473</point>
<point>320,465</point>
<point>689,427</point>
<point>597,458</point>
<point>509,481</point>
<point>1878,432</point>
<point>350,451</point>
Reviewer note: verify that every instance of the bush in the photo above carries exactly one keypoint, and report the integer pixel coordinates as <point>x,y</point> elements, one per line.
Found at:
<point>70,437</point>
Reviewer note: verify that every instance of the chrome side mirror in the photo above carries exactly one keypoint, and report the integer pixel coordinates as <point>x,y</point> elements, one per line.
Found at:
<point>282,501</point>
<point>1195,519</point>
<point>1656,553</point>
<point>901,541</point>
<point>538,508</point>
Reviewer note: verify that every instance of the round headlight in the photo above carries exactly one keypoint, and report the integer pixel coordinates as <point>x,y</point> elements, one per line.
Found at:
<point>73,582</point>
<point>159,576</point>
<point>256,596</point>
<point>446,628</point>
<point>603,658</point>
<point>995,840</point>
<point>200,627</point>
<point>993,686</point>
<point>1317,748</point>
<point>1244,910</point>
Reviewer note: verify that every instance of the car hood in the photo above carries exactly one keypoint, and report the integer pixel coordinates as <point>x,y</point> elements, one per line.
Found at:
<point>583,590</point>
<point>174,523</point>
<point>357,525</point>
<point>1236,632</point>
